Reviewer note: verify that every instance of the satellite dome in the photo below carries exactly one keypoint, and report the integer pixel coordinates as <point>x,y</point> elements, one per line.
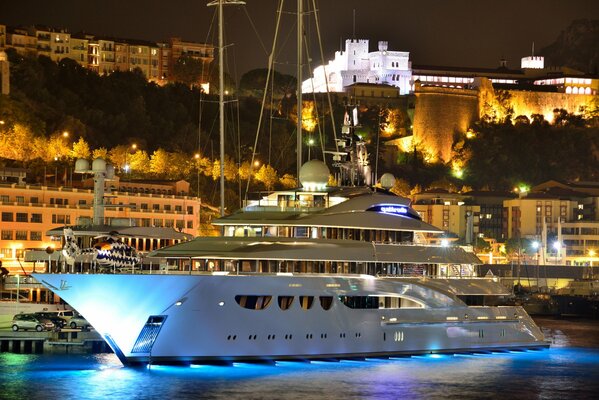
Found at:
<point>81,165</point>
<point>109,171</point>
<point>99,165</point>
<point>314,174</point>
<point>387,180</point>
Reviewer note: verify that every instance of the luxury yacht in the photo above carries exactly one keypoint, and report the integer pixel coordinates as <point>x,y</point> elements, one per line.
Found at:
<point>304,274</point>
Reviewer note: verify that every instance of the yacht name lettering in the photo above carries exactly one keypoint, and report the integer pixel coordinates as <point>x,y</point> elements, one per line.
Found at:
<point>394,210</point>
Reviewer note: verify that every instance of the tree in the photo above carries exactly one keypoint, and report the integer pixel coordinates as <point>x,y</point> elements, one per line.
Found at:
<point>267,175</point>
<point>80,149</point>
<point>17,143</point>
<point>57,147</point>
<point>159,162</point>
<point>188,70</point>
<point>102,153</point>
<point>140,162</point>
<point>401,188</point>
<point>288,181</point>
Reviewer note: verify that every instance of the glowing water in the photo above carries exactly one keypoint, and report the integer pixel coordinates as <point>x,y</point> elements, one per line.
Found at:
<point>570,369</point>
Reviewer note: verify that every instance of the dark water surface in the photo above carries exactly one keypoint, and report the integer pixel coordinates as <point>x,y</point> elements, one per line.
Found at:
<point>569,370</point>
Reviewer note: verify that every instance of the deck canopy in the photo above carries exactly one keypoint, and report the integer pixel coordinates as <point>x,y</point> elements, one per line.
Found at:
<point>294,249</point>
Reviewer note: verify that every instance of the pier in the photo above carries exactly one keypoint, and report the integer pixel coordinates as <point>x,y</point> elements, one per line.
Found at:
<point>66,341</point>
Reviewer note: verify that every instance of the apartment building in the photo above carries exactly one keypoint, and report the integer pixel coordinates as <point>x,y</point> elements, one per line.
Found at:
<point>454,213</point>
<point>28,212</point>
<point>561,217</point>
<point>105,55</point>
<point>20,40</point>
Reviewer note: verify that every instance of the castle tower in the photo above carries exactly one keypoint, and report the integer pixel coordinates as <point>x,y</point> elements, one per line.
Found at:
<point>4,74</point>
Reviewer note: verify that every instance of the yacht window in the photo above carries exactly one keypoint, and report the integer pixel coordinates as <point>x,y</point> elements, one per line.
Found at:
<point>360,302</point>
<point>285,302</point>
<point>326,302</point>
<point>306,302</point>
<point>253,302</point>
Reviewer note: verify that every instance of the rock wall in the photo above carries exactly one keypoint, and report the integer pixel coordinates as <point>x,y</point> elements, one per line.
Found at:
<point>527,103</point>
<point>439,113</point>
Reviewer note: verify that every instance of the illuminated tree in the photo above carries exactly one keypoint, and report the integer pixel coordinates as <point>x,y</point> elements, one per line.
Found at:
<point>230,169</point>
<point>140,162</point>
<point>267,175</point>
<point>159,162</point>
<point>80,149</point>
<point>288,181</point>
<point>245,170</point>
<point>119,155</point>
<point>17,143</point>
<point>102,153</point>
<point>58,147</point>
<point>401,188</point>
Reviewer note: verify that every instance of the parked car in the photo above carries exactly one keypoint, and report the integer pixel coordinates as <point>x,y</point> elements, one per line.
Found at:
<point>59,322</point>
<point>66,314</point>
<point>79,322</point>
<point>31,321</point>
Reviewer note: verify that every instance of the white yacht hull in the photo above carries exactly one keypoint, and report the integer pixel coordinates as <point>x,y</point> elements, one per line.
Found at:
<point>201,321</point>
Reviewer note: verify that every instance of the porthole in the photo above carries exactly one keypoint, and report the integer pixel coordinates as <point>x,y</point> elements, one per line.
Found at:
<point>306,302</point>
<point>326,302</point>
<point>252,302</point>
<point>285,302</point>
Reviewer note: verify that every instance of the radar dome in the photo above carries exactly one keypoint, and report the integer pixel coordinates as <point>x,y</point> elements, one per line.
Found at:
<point>99,165</point>
<point>314,174</point>
<point>81,165</point>
<point>109,171</point>
<point>387,180</point>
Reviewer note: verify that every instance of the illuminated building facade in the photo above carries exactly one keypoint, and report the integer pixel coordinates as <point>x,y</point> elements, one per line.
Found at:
<point>29,211</point>
<point>357,65</point>
<point>454,213</point>
<point>563,217</point>
<point>105,55</point>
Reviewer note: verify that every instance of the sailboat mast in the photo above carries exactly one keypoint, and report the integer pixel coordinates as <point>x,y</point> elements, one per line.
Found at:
<point>221,93</point>
<point>221,105</point>
<point>300,43</point>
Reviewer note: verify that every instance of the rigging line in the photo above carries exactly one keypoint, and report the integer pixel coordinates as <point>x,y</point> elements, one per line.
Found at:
<point>255,31</point>
<point>270,63</point>
<point>326,79</point>
<point>320,133</point>
<point>201,91</point>
<point>272,95</point>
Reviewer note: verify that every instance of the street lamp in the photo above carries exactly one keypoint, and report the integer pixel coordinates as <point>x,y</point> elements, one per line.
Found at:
<point>310,144</point>
<point>197,159</point>
<point>558,248</point>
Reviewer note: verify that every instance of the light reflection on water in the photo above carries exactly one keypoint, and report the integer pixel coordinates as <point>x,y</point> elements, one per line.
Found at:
<point>564,371</point>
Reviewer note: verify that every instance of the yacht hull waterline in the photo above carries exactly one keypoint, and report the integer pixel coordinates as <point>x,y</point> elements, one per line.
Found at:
<point>186,318</point>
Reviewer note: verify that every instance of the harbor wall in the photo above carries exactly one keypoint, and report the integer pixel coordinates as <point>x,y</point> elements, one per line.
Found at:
<point>63,342</point>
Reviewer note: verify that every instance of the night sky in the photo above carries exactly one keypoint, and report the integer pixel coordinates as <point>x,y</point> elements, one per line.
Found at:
<point>436,32</point>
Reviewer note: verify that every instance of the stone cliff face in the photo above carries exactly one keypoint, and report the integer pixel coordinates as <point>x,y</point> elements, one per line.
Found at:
<point>576,47</point>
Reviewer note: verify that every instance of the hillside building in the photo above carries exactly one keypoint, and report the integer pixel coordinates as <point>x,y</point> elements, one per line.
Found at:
<point>29,212</point>
<point>106,55</point>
